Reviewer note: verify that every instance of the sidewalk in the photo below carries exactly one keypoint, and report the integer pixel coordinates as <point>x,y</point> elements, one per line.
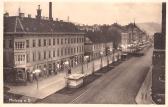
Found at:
<point>45,87</point>
<point>143,96</point>
<point>54,83</point>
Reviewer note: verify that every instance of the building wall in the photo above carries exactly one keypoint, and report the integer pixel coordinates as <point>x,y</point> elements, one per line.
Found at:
<point>8,52</point>
<point>125,38</point>
<point>96,50</point>
<point>33,57</point>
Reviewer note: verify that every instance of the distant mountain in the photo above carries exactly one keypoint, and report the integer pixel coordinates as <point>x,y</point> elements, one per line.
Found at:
<point>150,27</point>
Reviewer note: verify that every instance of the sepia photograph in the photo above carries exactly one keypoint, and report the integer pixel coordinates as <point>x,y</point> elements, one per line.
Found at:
<point>76,52</point>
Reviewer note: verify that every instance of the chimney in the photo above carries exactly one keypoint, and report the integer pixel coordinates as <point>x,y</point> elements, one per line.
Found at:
<point>164,18</point>
<point>20,13</point>
<point>38,12</point>
<point>50,11</point>
<point>6,14</point>
<point>29,15</point>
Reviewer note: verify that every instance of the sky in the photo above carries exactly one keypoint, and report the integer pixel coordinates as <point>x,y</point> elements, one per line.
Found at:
<point>92,12</point>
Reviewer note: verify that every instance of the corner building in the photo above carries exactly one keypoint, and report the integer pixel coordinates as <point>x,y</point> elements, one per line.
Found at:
<point>36,43</point>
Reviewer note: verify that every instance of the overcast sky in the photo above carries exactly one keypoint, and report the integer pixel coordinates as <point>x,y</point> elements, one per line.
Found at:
<point>92,12</point>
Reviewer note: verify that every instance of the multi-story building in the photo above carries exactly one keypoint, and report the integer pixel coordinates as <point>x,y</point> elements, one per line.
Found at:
<point>36,43</point>
<point>97,46</point>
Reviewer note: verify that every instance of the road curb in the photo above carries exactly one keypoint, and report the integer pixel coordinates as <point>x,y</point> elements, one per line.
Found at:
<point>144,93</point>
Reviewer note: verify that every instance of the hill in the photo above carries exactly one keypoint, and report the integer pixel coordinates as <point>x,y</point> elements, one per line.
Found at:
<point>150,27</point>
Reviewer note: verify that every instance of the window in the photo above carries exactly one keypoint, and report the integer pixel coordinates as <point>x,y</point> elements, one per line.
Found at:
<point>19,45</point>
<point>77,40</point>
<point>74,40</point>
<point>77,49</point>
<point>23,57</point>
<point>65,51</point>
<point>58,41</point>
<point>49,54</point>
<point>53,53</point>
<point>68,51</point>
<point>27,43</point>
<point>10,44</point>
<point>58,52</point>
<point>34,56</point>
<point>18,58</point>
<point>83,48</point>
<point>16,45</point>
<point>39,42</point>
<point>65,40</point>
<point>81,40</point>
<point>68,40</point>
<point>49,42</point>
<point>34,43</point>
<point>74,50</point>
<point>61,51</point>
<point>61,41</point>
<point>39,56</point>
<point>71,40</point>
<point>44,54</point>
<point>71,50</point>
<point>53,41</point>
<point>44,42</point>
<point>27,57</point>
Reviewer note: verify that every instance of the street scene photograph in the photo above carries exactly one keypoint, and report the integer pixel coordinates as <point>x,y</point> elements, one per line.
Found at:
<point>84,52</point>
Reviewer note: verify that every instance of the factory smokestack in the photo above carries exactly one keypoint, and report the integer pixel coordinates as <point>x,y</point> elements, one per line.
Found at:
<point>50,11</point>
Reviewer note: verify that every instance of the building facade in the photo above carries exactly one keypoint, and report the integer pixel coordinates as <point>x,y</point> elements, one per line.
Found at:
<point>97,48</point>
<point>44,44</point>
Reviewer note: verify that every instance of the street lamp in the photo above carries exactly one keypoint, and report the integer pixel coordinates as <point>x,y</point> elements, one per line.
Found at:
<point>66,63</point>
<point>93,64</point>
<point>36,72</point>
<point>82,64</point>
<point>111,50</point>
<point>107,53</point>
<point>86,59</point>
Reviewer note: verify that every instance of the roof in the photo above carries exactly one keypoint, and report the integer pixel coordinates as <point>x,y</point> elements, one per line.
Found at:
<point>118,27</point>
<point>98,37</point>
<point>25,24</point>
<point>132,26</point>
